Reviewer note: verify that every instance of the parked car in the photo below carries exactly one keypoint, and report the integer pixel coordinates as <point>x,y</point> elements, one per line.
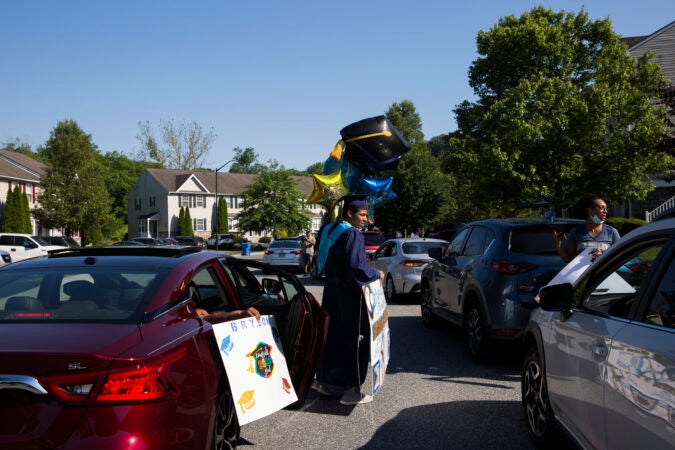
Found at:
<point>225,241</point>
<point>286,252</point>
<point>24,246</point>
<point>146,240</point>
<point>372,241</point>
<point>124,359</point>
<point>402,261</point>
<point>127,244</point>
<point>191,241</point>
<point>486,279</point>
<point>167,241</point>
<point>5,258</point>
<point>600,353</point>
<point>65,241</point>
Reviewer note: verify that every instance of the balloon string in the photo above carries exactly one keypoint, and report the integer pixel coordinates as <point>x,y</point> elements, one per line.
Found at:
<point>366,136</point>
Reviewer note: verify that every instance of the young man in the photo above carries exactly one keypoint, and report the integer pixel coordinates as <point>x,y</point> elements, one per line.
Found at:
<point>344,363</point>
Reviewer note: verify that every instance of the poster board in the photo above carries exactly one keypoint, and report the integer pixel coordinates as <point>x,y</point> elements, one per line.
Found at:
<point>574,268</point>
<point>378,316</point>
<point>256,367</point>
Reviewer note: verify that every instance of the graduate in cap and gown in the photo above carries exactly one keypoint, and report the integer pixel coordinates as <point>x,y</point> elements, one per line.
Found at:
<point>344,362</point>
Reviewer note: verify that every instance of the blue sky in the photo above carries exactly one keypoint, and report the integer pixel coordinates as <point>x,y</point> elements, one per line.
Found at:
<point>280,76</point>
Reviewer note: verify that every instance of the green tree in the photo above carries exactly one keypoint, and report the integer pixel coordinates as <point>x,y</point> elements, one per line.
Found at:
<point>246,161</point>
<point>562,109</point>
<point>26,225</point>
<point>189,229</point>
<point>9,217</point>
<point>273,203</point>
<point>186,145</point>
<point>181,222</point>
<point>316,168</point>
<point>73,195</point>
<point>418,182</point>
<point>223,223</point>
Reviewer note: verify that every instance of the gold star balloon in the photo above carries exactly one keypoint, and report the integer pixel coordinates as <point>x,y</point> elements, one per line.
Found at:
<point>328,189</point>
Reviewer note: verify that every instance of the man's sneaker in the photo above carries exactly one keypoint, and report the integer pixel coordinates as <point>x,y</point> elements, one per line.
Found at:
<point>353,397</point>
<point>323,390</point>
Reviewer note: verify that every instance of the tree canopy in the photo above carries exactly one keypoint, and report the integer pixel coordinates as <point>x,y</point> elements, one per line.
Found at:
<point>273,203</point>
<point>246,161</point>
<point>73,195</point>
<point>562,109</point>
<point>185,145</point>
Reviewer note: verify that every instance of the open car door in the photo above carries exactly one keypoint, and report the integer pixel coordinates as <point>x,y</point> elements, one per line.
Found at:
<point>302,322</point>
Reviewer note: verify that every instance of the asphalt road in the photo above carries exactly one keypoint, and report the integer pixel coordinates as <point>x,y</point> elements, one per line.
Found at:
<point>433,396</point>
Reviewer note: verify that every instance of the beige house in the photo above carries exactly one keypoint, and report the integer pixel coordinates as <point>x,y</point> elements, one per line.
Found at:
<point>662,44</point>
<point>17,169</point>
<point>155,201</point>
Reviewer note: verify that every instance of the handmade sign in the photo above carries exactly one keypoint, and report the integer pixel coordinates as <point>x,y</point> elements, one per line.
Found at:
<point>378,316</point>
<point>256,367</point>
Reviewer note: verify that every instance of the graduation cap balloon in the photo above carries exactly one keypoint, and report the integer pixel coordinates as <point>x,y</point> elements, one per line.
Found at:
<point>374,144</point>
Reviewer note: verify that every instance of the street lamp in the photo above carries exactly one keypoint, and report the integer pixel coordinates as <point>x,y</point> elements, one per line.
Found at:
<point>217,230</point>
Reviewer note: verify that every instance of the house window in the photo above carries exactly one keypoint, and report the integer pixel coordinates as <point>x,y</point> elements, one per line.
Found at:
<point>199,224</point>
<point>199,201</point>
<point>137,204</point>
<point>141,227</point>
<point>184,200</point>
<point>151,201</point>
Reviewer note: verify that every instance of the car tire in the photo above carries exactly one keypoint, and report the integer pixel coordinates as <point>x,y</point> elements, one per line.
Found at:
<point>475,329</point>
<point>535,401</point>
<point>226,429</point>
<point>389,289</point>
<point>429,319</point>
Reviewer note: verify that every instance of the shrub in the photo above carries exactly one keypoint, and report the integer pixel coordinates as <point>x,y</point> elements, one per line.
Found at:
<point>265,239</point>
<point>625,225</point>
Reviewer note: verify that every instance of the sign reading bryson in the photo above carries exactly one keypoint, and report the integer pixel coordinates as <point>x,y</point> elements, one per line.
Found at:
<point>256,367</point>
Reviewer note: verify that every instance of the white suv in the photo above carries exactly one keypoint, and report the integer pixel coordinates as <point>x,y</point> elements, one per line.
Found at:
<point>225,241</point>
<point>24,246</point>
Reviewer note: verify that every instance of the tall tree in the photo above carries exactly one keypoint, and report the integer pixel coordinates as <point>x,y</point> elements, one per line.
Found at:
<point>186,145</point>
<point>182,228</point>
<point>418,181</point>
<point>10,214</point>
<point>189,228</point>
<point>73,194</point>
<point>26,225</point>
<point>562,109</point>
<point>223,223</point>
<point>246,161</point>
<point>273,203</point>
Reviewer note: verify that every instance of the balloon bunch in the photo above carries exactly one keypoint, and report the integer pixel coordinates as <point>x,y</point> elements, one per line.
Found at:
<point>367,147</point>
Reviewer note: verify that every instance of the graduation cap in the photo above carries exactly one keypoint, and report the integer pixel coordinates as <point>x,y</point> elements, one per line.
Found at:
<point>354,202</point>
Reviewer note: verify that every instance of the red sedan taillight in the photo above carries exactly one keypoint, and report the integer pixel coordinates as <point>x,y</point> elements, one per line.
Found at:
<point>129,385</point>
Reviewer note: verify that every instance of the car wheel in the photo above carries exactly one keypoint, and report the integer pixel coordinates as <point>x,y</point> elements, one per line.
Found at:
<point>429,319</point>
<point>536,405</point>
<point>474,326</point>
<point>389,289</point>
<point>226,428</point>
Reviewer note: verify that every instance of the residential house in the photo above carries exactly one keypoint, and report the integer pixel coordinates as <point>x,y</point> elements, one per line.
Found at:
<point>662,44</point>
<point>17,169</point>
<point>155,201</point>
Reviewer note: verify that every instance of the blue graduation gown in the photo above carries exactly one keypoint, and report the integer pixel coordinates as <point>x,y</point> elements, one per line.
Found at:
<point>345,359</point>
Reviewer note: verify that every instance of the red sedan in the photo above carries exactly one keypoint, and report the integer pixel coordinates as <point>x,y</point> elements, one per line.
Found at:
<point>102,348</point>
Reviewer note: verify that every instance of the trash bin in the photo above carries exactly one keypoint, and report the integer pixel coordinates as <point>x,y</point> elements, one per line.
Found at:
<point>245,248</point>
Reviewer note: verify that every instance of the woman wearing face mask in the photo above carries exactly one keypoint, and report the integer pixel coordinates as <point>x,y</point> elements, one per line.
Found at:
<point>595,233</point>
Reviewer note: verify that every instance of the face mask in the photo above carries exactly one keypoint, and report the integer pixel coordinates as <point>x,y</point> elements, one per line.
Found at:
<point>596,220</point>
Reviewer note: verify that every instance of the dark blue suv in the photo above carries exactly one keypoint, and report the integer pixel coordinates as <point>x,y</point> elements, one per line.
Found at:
<point>487,277</point>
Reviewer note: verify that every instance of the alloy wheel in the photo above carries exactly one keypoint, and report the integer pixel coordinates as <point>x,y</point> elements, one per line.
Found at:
<point>389,288</point>
<point>536,406</point>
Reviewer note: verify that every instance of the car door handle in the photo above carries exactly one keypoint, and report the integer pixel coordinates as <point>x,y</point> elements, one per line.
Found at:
<point>599,351</point>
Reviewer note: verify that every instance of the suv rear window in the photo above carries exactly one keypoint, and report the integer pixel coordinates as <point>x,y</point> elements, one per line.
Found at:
<point>537,240</point>
<point>73,295</point>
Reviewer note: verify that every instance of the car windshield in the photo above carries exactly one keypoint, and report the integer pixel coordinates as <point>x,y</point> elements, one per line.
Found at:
<point>40,241</point>
<point>372,239</point>
<point>287,243</point>
<point>75,295</point>
<point>412,248</point>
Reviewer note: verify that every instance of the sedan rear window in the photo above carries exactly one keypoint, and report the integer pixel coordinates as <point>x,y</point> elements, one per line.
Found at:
<point>95,294</point>
<point>286,244</point>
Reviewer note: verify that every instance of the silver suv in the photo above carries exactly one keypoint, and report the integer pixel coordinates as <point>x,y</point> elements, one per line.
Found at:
<point>600,353</point>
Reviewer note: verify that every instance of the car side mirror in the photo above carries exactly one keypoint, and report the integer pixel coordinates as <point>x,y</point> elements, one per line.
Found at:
<point>557,297</point>
<point>271,286</point>
<point>436,253</point>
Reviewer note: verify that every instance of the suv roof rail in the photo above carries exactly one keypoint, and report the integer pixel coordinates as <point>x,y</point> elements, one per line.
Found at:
<point>167,252</point>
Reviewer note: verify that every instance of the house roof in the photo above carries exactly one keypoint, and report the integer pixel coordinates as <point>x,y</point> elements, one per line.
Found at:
<point>641,40</point>
<point>228,183</point>
<point>20,167</point>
